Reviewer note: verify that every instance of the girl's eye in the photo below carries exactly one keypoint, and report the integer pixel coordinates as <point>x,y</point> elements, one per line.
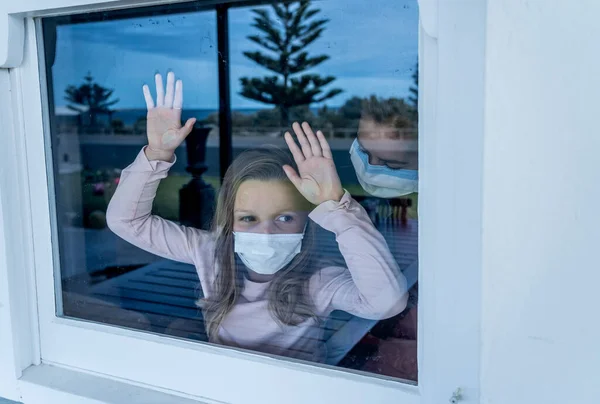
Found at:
<point>247,219</point>
<point>285,218</point>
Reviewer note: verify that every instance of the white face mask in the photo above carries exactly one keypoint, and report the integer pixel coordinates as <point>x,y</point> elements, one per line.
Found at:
<point>266,254</point>
<point>382,181</point>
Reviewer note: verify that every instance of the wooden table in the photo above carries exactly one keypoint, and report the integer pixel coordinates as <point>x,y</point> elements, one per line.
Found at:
<point>160,297</point>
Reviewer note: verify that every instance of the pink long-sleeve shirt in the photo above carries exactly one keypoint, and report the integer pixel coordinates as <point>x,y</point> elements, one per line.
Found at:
<point>371,286</point>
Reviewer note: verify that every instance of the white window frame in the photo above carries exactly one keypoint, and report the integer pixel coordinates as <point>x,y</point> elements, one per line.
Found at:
<point>451,78</point>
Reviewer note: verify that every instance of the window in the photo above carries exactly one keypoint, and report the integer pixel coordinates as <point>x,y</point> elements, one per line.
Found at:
<point>448,165</point>
<point>97,66</point>
<point>366,81</point>
<point>125,260</point>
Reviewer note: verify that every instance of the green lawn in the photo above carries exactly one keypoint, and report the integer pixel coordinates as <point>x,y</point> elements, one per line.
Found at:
<point>166,203</point>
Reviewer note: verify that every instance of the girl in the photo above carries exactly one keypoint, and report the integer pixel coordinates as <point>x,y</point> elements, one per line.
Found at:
<point>264,287</point>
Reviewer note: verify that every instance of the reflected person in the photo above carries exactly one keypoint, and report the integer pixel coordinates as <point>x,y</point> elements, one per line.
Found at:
<point>264,285</point>
<point>386,166</point>
<point>385,161</point>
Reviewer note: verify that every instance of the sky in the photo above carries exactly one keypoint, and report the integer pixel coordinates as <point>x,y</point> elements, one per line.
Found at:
<point>373,48</point>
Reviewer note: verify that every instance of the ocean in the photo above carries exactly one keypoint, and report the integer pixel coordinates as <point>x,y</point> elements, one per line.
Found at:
<point>130,116</point>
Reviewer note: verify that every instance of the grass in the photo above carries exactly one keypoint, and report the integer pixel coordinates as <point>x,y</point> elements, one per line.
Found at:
<point>166,203</point>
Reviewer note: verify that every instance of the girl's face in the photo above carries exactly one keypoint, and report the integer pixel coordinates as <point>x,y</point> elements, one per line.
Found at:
<point>269,207</point>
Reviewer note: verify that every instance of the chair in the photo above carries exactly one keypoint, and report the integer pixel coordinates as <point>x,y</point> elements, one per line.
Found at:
<point>343,330</point>
<point>383,211</point>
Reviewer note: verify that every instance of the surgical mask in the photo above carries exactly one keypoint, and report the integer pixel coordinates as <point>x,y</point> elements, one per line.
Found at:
<point>382,181</point>
<point>266,254</point>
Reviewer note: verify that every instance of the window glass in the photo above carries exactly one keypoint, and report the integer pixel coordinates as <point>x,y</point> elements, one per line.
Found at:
<point>96,67</point>
<point>307,247</point>
<point>353,76</point>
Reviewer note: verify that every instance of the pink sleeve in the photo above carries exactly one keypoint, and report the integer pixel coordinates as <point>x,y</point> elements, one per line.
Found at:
<point>372,286</point>
<point>129,214</point>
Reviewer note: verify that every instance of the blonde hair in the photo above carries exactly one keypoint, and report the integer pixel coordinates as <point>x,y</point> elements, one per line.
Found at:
<point>289,303</point>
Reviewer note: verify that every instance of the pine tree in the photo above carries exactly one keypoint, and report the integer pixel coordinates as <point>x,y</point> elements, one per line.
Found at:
<point>286,39</point>
<point>414,90</point>
<point>90,98</point>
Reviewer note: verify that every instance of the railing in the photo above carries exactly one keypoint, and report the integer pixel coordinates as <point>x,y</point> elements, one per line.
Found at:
<point>330,133</point>
<point>244,137</point>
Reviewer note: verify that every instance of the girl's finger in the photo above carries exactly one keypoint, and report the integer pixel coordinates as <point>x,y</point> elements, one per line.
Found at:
<point>312,139</point>
<point>302,140</point>
<point>296,152</point>
<point>324,145</point>
<point>293,176</point>
<point>187,128</point>
<point>148,97</point>
<point>170,90</point>
<point>160,90</point>
<point>178,100</point>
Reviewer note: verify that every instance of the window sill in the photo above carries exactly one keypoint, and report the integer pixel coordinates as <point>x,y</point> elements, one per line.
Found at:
<point>52,384</point>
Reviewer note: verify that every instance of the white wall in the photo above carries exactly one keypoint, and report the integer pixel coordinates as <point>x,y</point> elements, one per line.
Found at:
<point>541,221</point>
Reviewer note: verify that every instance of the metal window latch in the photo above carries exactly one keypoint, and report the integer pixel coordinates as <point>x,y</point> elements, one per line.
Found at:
<point>456,396</point>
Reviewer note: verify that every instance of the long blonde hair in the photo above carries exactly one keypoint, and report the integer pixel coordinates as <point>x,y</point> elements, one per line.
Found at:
<point>289,302</point>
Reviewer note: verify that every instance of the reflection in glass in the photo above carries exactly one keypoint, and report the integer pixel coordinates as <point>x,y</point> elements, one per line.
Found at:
<point>96,70</point>
<point>363,57</point>
<point>268,272</point>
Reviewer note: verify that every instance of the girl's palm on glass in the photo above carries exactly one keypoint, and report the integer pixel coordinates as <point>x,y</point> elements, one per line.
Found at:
<point>164,129</point>
<point>317,179</point>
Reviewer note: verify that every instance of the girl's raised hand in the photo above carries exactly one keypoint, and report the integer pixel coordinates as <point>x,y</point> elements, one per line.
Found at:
<point>164,128</point>
<point>317,180</point>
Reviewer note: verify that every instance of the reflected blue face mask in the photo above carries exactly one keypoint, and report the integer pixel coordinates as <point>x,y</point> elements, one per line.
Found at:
<point>382,181</point>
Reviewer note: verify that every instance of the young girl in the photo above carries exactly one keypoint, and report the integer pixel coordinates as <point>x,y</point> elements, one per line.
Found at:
<point>264,286</point>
